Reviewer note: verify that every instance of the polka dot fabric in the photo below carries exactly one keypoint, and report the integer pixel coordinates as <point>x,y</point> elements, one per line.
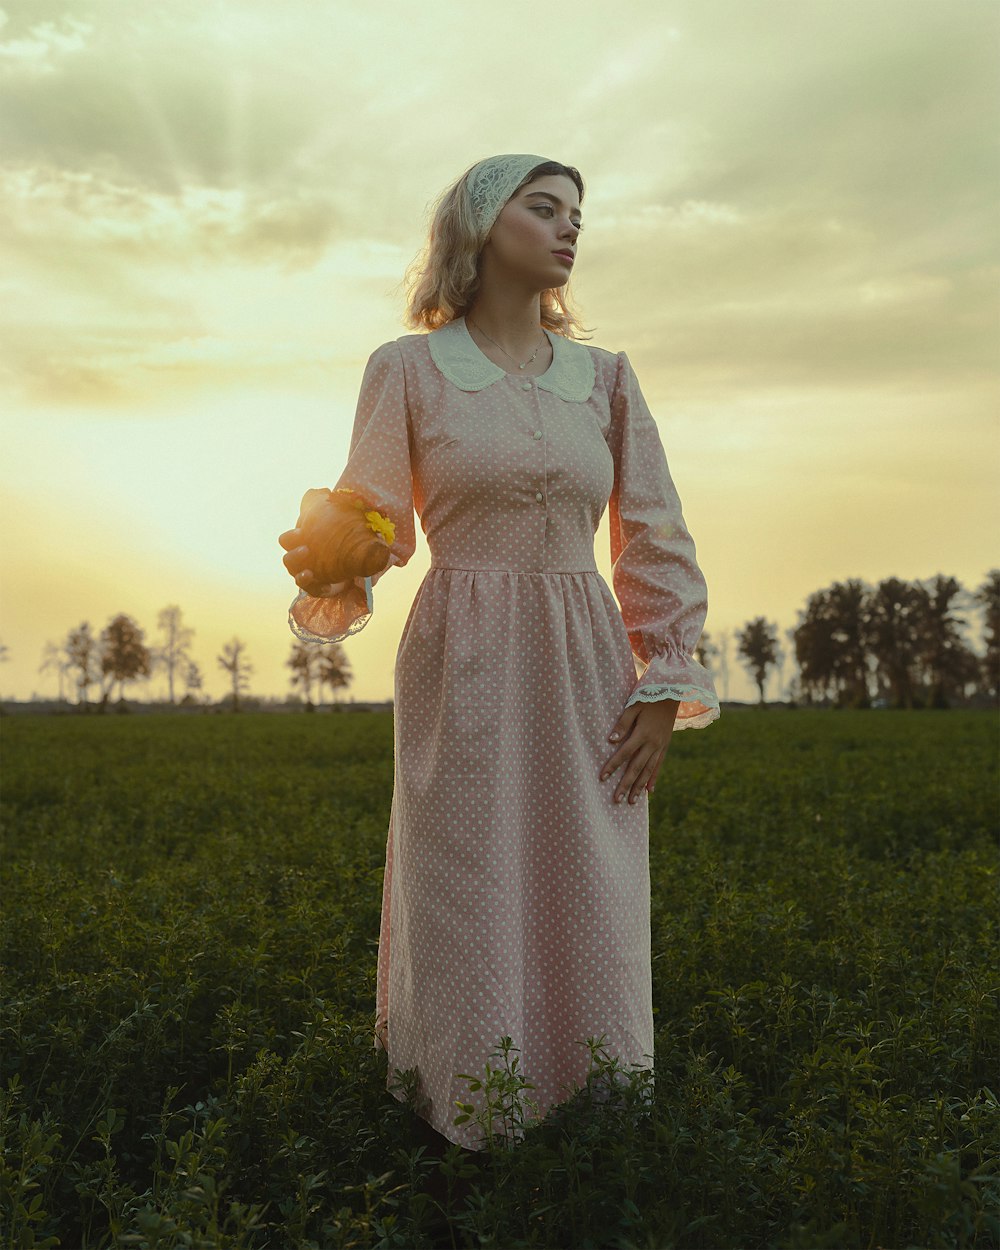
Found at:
<point>516,896</point>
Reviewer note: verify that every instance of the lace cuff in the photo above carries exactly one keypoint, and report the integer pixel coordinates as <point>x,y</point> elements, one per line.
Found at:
<point>674,674</point>
<point>333,617</point>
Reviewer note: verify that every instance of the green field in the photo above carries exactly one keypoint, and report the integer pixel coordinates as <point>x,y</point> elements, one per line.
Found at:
<point>190,919</point>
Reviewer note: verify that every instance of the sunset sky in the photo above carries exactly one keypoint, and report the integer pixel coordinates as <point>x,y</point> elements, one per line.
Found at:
<point>207,209</point>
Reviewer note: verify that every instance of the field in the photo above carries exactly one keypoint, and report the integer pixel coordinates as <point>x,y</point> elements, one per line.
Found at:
<point>190,920</point>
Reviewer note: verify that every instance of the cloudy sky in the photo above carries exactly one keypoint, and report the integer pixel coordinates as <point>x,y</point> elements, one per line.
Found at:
<point>206,210</point>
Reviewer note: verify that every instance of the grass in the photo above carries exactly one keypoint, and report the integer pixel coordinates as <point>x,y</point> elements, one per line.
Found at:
<point>189,928</point>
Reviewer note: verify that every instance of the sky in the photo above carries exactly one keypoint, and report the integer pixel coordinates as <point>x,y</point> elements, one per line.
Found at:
<point>207,209</point>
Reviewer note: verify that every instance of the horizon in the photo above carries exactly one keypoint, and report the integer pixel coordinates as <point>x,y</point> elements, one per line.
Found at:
<point>788,228</point>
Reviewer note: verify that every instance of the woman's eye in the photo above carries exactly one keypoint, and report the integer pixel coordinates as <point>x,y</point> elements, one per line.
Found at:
<point>549,209</point>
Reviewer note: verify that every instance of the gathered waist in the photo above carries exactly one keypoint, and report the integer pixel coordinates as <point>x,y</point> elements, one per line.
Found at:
<point>479,568</point>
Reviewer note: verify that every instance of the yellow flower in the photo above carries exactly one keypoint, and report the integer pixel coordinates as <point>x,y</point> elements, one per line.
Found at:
<point>379,524</point>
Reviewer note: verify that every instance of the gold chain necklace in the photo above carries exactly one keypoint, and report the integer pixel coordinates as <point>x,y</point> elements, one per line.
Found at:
<point>504,350</point>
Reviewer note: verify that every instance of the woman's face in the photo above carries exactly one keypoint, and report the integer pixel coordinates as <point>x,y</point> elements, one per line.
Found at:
<point>538,222</point>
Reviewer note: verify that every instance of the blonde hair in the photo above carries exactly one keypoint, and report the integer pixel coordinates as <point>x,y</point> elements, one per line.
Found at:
<point>443,280</point>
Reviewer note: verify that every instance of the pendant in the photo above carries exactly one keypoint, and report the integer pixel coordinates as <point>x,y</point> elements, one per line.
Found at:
<point>522,366</point>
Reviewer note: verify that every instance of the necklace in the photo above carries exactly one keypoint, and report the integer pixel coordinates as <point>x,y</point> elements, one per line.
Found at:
<point>504,350</point>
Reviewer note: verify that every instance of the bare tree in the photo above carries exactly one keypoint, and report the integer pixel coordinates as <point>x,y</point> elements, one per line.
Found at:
<point>723,653</point>
<point>757,646</point>
<point>304,661</point>
<point>172,655</point>
<point>238,667</point>
<point>706,652</point>
<point>84,654</point>
<point>192,682</point>
<point>54,657</point>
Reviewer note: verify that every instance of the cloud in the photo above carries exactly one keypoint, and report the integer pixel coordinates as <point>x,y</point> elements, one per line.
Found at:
<point>43,48</point>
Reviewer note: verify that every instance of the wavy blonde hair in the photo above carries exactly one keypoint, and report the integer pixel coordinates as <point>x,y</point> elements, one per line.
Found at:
<point>443,280</point>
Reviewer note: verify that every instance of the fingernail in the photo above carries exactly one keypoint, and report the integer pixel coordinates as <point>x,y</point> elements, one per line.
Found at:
<point>614,737</point>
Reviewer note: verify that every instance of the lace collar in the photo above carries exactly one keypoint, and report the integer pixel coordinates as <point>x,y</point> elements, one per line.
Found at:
<point>570,376</point>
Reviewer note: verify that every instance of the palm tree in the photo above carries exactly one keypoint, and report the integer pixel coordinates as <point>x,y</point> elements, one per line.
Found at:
<point>758,645</point>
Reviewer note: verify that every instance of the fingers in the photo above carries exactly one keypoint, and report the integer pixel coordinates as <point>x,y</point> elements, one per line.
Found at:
<point>290,538</point>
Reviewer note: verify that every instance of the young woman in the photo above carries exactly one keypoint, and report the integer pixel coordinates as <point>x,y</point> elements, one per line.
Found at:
<point>516,897</point>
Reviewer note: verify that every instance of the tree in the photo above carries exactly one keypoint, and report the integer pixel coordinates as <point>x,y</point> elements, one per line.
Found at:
<point>334,668</point>
<point>895,611</point>
<point>238,667</point>
<point>706,652</point>
<point>988,598</point>
<point>304,662</point>
<point>758,645</point>
<point>173,654</point>
<point>192,682</point>
<point>124,655</point>
<point>54,657</point>
<point>83,653</point>
<point>830,645</point>
<point>948,661</point>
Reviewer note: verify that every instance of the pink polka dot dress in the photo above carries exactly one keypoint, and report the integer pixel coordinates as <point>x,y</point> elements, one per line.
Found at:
<point>516,897</point>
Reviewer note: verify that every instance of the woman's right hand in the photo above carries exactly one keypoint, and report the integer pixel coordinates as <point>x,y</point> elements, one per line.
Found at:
<point>299,557</point>
<point>329,535</point>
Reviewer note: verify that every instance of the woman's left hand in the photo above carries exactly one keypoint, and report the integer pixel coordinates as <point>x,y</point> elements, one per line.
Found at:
<point>644,731</point>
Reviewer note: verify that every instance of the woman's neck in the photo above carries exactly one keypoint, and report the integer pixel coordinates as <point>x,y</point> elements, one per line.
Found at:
<point>512,318</point>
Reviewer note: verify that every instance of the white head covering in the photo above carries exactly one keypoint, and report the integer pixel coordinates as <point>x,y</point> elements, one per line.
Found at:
<point>493,181</point>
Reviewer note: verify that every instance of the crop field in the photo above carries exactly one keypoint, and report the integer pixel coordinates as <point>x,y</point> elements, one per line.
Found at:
<point>190,921</point>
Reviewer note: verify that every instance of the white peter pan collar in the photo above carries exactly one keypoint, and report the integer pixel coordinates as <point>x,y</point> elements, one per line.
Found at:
<point>455,352</point>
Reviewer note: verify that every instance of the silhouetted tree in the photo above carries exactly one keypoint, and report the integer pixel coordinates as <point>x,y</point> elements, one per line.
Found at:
<point>84,653</point>
<point>988,597</point>
<point>757,644</point>
<point>723,654</point>
<point>124,655</point>
<point>304,661</point>
<point>192,681</point>
<point>948,661</point>
<point>706,652</point>
<point>830,645</point>
<point>895,613</point>
<point>172,654</point>
<point>334,668</point>
<point>54,657</point>
<point>238,667</point>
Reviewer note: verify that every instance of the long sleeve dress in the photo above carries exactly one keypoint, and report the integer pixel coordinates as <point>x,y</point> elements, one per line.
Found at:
<point>516,895</point>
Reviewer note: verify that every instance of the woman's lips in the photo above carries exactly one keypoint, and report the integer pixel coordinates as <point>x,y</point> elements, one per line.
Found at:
<point>564,256</point>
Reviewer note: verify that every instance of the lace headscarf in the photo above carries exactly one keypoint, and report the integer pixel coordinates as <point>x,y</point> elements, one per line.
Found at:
<point>493,181</point>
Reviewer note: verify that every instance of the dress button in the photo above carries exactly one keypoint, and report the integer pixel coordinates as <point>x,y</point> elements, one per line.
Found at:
<point>539,496</point>
<point>538,434</point>
<point>525,386</point>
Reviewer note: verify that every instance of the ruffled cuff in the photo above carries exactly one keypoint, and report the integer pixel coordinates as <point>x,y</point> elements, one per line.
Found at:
<point>674,674</point>
<point>334,617</point>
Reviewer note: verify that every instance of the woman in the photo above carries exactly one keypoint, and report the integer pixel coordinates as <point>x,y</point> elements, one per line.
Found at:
<point>516,892</point>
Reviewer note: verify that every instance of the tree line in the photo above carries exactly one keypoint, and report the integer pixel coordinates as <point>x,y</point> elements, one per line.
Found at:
<point>898,644</point>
